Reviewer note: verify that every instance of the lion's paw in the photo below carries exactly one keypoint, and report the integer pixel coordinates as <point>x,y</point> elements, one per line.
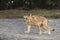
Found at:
<point>49,33</point>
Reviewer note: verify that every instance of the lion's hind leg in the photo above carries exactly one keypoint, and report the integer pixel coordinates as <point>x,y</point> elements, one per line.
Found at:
<point>39,28</point>
<point>48,29</point>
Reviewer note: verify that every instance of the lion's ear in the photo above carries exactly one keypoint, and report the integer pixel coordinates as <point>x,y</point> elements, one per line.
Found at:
<point>25,16</point>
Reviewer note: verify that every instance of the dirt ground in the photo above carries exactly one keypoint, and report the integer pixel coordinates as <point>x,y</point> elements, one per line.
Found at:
<point>13,29</point>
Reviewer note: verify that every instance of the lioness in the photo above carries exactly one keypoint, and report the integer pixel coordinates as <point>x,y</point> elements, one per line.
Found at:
<point>37,21</point>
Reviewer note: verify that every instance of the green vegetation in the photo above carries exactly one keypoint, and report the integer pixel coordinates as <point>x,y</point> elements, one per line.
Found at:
<point>20,13</point>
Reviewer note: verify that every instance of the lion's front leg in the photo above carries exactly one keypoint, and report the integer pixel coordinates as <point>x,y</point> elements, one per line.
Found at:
<point>28,29</point>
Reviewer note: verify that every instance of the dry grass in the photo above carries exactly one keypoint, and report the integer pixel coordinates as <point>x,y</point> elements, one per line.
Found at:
<point>20,13</point>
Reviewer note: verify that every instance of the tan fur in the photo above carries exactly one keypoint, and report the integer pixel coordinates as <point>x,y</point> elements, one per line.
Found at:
<point>37,21</point>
